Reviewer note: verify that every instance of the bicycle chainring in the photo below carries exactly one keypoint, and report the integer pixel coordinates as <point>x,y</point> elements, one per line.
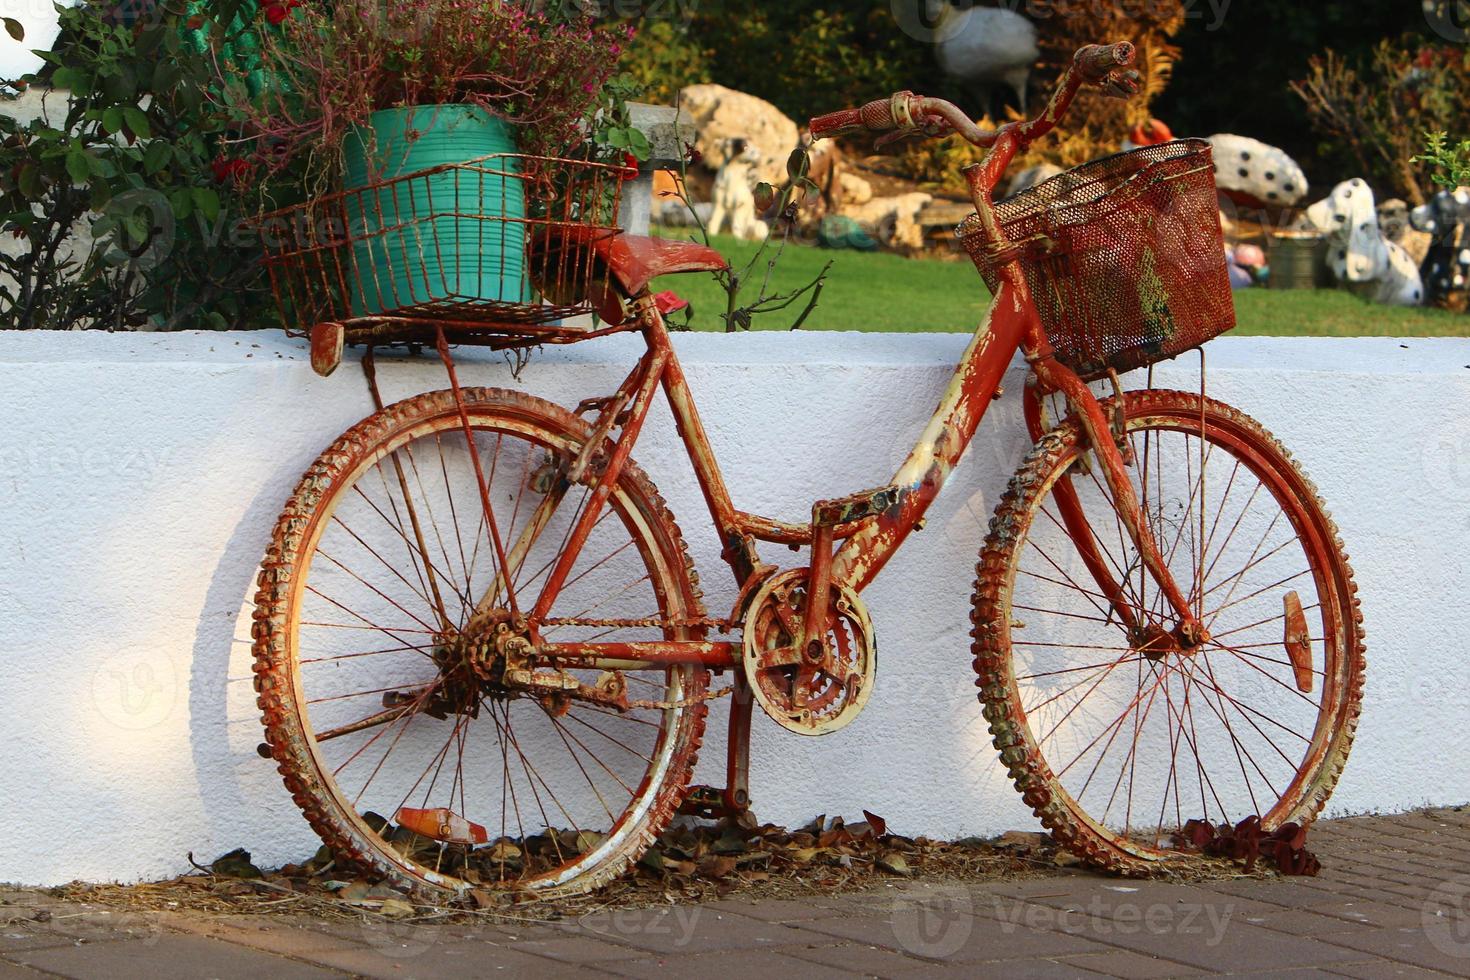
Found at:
<point>802,694</point>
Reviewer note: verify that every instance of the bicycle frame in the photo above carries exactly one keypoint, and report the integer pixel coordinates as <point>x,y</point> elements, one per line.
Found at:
<point>867,542</point>
<point>872,526</point>
<point>865,529</point>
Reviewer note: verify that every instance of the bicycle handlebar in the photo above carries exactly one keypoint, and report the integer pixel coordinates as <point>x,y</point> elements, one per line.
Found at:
<point>1103,65</point>
<point>1098,61</point>
<point>1097,64</point>
<point>874,117</point>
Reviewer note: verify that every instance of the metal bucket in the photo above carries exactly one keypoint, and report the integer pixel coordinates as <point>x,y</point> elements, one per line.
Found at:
<point>1298,260</point>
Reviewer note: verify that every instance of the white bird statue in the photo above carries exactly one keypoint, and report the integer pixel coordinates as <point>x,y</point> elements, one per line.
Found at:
<point>984,47</point>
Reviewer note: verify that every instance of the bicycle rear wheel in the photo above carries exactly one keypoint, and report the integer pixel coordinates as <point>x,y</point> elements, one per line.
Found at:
<point>377,619</point>
<point>1117,736</point>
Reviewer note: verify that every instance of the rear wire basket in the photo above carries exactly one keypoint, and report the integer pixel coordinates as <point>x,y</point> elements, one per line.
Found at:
<point>1124,257</point>
<point>398,259</point>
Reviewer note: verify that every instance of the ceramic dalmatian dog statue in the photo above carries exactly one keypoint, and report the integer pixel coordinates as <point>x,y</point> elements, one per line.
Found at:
<point>1357,250</point>
<point>1446,268</point>
<point>734,191</point>
<point>1256,175</point>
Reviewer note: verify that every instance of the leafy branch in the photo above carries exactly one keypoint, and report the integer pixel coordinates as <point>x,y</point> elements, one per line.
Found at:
<point>738,316</point>
<point>1451,161</point>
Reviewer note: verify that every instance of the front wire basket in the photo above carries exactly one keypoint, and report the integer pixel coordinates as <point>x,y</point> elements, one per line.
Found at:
<point>1124,257</point>
<point>497,250</point>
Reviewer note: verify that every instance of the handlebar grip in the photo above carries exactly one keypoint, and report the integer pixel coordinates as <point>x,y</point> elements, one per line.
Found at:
<point>875,117</point>
<point>1096,60</point>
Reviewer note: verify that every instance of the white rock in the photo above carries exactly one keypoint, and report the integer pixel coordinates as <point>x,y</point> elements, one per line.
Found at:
<point>893,221</point>
<point>717,113</point>
<point>855,190</point>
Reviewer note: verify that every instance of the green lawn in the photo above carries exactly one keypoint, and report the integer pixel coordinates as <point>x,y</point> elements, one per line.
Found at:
<point>879,292</point>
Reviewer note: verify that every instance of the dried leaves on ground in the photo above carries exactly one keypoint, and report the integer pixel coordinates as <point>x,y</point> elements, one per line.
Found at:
<point>693,861</point>
<point>1247,842</point>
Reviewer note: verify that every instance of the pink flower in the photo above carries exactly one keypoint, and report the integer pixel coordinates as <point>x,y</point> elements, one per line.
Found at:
<point>589,88</point>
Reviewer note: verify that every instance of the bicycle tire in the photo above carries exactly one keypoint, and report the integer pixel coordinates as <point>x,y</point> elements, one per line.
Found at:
<point>1015,715</point>
<point>353,838</point>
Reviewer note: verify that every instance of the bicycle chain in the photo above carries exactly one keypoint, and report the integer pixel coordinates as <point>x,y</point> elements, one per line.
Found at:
<point>706,622</point>
<point>686,703</point>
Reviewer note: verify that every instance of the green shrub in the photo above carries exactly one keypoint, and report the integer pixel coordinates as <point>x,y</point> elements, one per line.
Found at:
<point>664,57</point>
<point>124,206</point>
<point>1378,107</point>
<point>804,56</point>
<point>1451,162</point>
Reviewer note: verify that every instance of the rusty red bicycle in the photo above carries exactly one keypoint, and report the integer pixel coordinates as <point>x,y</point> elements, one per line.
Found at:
<point>482,652</point>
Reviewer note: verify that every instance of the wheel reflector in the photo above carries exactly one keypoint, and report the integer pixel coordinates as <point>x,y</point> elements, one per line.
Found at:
<point>1298,642</point>
<point>442,825</point>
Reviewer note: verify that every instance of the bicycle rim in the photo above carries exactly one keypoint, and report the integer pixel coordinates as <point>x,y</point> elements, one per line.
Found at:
<point>1119,736</point>
<point>373,607</point>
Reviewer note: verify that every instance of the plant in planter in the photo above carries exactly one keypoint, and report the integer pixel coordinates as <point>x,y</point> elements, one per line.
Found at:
<point>1377,109</point>
<point>360,93</point>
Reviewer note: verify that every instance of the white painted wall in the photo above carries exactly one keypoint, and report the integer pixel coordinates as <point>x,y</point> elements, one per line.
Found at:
<point>141,475</point>
<point>41,22</point>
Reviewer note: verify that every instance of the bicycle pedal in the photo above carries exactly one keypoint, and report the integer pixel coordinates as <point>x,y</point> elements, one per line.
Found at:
<point>856,507</point>
<point>707,802</point>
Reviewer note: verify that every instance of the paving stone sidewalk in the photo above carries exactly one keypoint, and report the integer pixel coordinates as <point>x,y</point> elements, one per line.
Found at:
<point>1393,900</point>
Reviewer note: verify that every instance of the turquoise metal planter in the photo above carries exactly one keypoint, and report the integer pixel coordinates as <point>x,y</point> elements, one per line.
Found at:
<point>454,236</point>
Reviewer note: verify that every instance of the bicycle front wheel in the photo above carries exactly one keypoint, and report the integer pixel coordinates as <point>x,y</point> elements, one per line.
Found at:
<point>1115,732</point>
<point>382,600</point>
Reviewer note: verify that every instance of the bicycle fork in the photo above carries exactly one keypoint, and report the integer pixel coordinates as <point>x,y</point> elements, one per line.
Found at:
<point>1189,633</point>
